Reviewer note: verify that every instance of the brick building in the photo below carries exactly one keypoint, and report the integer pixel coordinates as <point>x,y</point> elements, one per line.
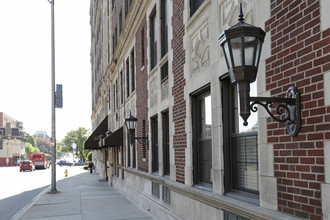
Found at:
<point>161,62</point>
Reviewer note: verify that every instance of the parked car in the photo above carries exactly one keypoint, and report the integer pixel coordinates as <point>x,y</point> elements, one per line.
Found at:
<point>80,163</point>
<point>26,165</point>
<point>64,163</point>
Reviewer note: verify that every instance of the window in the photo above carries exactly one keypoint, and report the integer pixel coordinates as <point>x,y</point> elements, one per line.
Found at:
<point>164,37</point>
<point>132,71</point>
<point>107,5</point>
<point>232,216</point>
<point>114,97</point>
<point>166,143</point>
<point>116,160</point>
<point>134,151</point>
<point>116,92</point>
<point>128,151</point>
<point>153,40</point>
<point>127,78</point>
<point>166,195</point>
<point>194,5</point>
<point>202,138</point>
<point>1,145</point>
<point>120,22</point>
<point>126,8</point>
<point>121,87</point>
<point>113,4</point>
<point>109,98</point>
<point>113,44</point>
<point>155,189</point>
<point>240,145</point>
<point>164,71</point>
<point>108,34</point>
<point>116,39</point>
<point>154,143</point>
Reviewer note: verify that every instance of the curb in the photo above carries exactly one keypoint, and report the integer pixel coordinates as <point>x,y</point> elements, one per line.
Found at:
<point>28,206</point>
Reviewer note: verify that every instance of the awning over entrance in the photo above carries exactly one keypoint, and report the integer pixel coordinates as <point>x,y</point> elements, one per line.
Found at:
<point>92,143</point>
<point>114,139</point>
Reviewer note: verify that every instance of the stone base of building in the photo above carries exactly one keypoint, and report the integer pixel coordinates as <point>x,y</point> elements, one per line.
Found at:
<point>166,199</point>
<point>3,162</point>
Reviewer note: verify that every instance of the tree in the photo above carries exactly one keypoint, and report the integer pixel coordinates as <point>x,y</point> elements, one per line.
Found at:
<point>78,137</point>
<point>90,156</point>
<point>44,145</point>
<point>30,139</point>
<point>85,153</point>
<point>29,149</point>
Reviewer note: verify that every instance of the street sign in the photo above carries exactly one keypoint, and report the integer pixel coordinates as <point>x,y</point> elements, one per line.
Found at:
<point>52,142</point>
<point>58,96</point>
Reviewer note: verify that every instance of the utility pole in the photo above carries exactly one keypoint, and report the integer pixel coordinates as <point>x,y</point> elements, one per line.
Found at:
<point>53,137</point>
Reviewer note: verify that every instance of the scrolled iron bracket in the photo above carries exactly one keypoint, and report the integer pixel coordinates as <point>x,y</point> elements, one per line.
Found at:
<point>290,105</point>
<point>143,141</point>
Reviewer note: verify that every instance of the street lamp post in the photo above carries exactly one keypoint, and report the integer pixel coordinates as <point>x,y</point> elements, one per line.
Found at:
<point>53,178</point>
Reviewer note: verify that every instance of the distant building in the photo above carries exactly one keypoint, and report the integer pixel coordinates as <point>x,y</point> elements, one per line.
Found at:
<point>41,134</point>
<point>12,141</point>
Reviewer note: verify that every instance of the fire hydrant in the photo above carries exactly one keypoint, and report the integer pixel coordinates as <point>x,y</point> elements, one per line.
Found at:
<point>66,173</point>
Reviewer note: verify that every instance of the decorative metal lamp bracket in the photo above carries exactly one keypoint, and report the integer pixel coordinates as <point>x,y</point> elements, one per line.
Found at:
<point>143,141</point>
<point>290,105</point>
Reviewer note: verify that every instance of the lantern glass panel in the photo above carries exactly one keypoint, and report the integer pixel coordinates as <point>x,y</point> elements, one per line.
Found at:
<point>227,54</point>
<point>258,52</point>
<point>131,124</point>
<point>249,43</point>
<point>236,46</point>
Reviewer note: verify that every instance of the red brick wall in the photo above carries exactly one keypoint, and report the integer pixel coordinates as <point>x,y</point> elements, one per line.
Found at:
<point>179,108</point>
<point>141,94</point>
<point>300,53</point>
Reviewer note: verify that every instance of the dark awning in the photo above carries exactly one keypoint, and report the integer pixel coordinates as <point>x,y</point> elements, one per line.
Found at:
<point>114,139</point>
<point>92,143</point>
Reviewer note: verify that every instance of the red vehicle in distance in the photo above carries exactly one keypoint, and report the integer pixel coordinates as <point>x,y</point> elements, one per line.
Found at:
<point>26,165</point>
<point>41,160</point>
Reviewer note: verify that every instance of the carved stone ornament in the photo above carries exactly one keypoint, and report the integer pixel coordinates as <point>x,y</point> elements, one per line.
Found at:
<point>200,48</point>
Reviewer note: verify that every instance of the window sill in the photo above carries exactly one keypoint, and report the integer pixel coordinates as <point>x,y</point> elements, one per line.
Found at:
<point>245,197</point>
<point>204,187</point>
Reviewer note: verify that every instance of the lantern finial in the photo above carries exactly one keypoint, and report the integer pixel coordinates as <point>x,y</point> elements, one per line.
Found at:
<point>241,19</point>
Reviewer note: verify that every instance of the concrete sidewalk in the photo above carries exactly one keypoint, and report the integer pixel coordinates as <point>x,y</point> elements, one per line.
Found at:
<point>84,197</point>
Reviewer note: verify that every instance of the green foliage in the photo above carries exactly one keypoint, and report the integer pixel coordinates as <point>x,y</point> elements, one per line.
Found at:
<point>85,153</point>
<point>85,167</point>
<point>30,149</point>
<point>61,147</point>
<point>44,145</point>
<point>89,156</point>
<point>78,137</point>
<point>30,139</point>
